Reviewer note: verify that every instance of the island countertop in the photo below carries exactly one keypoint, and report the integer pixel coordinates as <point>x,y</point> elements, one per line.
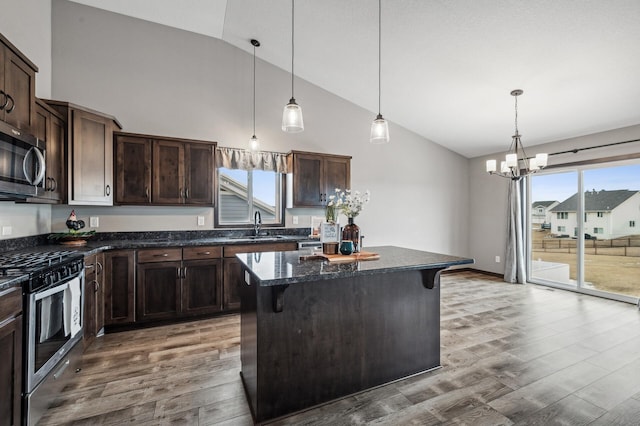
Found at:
<point>284,268</point>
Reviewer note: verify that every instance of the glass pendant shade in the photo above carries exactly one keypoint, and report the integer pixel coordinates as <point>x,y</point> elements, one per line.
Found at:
<point>379,130</point>
<point>541,159</point>
<point>292,117</point>
<point>491,166</point>
<point>254,143</point>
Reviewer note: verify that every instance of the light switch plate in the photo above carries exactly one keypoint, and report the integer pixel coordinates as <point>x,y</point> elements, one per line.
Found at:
<point>94,221</point>
<point>200,220</point>
<point>7,230</point>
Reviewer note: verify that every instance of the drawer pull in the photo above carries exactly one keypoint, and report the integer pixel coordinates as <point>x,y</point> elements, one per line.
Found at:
<point>204,253</point>
<point>161,255</point>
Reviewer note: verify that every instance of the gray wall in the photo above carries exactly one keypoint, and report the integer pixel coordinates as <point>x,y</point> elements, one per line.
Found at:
<point>165,81</point>
<point>27,24</point>
<point>488,194</point>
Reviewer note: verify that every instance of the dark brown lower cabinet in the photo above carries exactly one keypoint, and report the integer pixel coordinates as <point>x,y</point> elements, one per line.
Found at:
<point>176,282</point>
<point>158,290</point>
<point>93,297</point>
<point>232,281</point>
<point>11,356</point>
<point>119,287</point>
<point>201,289</point>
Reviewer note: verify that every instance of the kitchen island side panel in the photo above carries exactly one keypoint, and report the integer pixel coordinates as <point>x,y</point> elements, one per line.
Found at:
<point>337,337</point>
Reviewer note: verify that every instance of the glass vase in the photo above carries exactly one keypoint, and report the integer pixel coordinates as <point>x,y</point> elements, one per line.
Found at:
<point>351,232</point>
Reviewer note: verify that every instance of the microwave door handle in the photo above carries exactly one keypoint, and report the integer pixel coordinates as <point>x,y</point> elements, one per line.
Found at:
<point>24,165</point>
<point>42,167</point>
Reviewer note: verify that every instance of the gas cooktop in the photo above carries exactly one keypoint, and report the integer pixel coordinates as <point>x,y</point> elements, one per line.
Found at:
<point>12,264</point>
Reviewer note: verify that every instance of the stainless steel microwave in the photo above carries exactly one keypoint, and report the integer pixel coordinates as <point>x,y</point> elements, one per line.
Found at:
<point>22,164</point>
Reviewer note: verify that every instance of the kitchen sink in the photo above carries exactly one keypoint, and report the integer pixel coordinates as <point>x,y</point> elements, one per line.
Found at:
<point>259,237</point>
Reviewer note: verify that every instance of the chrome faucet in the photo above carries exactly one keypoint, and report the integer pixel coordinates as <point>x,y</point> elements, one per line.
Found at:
<point>257,222</point>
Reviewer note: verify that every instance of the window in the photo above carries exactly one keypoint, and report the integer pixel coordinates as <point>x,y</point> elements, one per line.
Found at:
<point>632,224</point>
<point>242,193</point>
<point>598,230</point>
<point>600,214</point>
<point>562,228</point>
<point>540,210</point>
<point>562,215</point>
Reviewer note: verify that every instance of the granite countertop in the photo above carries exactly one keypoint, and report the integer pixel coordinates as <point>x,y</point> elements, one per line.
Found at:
<point>151,240</point>
<point>278,268</point>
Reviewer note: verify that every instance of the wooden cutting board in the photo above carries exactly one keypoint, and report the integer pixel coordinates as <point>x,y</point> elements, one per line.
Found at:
<point>336,258</point>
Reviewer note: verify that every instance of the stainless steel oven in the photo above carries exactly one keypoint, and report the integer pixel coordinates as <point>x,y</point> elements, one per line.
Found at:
<point>22,164</point>
<point>53,323</point>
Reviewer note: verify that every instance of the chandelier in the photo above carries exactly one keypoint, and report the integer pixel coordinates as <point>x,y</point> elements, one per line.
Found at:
<point>510,167</point>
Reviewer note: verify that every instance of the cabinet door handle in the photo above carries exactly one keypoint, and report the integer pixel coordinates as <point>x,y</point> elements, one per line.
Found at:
<point>108,190</point>
<point>184,272</point>
<point>54,182</point>
<point>13,104</point>
<point>6,100</point>
<point>89,265</point>
<point>96,285</point>
<point>100,267</point>
<point>146,192</point>
<point>186,193</point>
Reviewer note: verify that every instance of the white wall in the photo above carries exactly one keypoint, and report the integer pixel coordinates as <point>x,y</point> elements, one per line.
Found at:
<point>27,25</point>
<point>163,81</point>
<point>488,194</point>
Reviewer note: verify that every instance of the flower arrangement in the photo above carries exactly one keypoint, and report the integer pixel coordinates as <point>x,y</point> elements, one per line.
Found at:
<point>348,202</point>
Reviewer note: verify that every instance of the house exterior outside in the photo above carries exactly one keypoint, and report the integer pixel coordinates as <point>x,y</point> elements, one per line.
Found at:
<point>607,214</point>
<point>541,212</point>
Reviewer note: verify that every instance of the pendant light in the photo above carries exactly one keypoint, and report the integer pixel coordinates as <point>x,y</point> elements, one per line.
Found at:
<point>292,114</point>
<point>510,168</point>
<point>254,143</point>
<point>379,127</point>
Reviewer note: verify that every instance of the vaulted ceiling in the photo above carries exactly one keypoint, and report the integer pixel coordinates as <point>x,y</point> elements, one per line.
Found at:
<point>447,65</point>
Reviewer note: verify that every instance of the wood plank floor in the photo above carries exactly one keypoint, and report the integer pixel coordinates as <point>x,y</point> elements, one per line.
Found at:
<point>511,354</point>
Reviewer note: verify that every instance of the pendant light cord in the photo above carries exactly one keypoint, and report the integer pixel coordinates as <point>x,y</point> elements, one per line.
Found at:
<point>254,89</point>
<point>379,54</point>
<point>292,44</point>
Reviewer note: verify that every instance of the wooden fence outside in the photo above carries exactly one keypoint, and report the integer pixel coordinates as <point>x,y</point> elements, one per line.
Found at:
<point>618,247</point>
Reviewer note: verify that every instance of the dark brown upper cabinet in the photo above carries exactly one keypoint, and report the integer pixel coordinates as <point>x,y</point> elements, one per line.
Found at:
<point>133,169</point>
<point>163,171</point>
<point>49,126</point>
<point>315,177</point>
<point>89,154</point>
<point>17,87</point>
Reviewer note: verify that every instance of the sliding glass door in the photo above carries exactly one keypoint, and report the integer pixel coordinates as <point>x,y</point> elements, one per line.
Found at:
<point>585,230</point>
<point>554,255</point>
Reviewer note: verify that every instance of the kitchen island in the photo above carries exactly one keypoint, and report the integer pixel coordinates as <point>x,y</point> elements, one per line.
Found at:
<point>313,330</point>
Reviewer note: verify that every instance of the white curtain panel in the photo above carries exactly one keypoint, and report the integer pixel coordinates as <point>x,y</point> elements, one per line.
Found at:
<point>514,268</point>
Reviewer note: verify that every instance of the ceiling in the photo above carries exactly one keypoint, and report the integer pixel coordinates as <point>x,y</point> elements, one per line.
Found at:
<point>448,66</point>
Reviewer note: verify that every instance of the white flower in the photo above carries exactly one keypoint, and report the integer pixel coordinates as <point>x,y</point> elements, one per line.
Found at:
<point>350,203</point>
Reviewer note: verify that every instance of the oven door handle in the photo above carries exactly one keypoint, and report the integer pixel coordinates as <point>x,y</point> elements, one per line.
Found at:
<point>48,292</point>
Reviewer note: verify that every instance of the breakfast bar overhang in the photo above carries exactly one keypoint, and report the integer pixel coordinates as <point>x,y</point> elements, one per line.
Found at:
<point>313,331</point>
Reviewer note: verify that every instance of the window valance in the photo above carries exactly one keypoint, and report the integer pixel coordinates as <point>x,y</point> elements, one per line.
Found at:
<point>234,158</point>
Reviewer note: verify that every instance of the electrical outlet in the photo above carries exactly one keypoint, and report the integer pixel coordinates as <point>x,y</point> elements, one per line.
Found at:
<point>295,220</point>
<point>200,220</point>
<point>497,259</point>
<point>7,230</point>
<point>94,221</point>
